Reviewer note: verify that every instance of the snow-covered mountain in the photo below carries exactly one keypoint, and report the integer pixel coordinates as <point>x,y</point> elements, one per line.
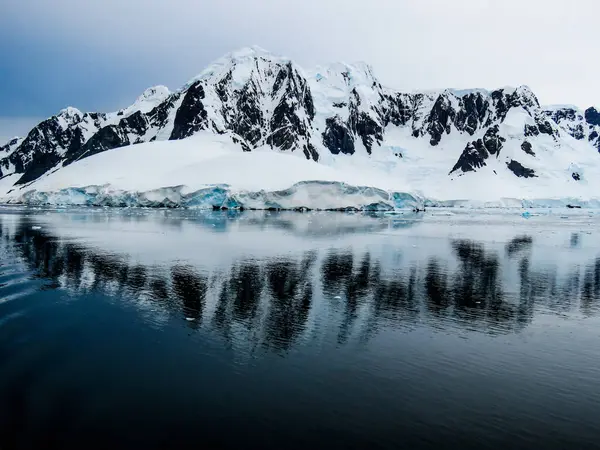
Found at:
<point>425,144</point>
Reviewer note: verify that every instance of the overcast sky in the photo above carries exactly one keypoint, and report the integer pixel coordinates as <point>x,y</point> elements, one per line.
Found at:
<point>101,54</point>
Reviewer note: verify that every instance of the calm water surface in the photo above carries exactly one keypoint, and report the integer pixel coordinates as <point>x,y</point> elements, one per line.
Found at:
<point>165,329</point>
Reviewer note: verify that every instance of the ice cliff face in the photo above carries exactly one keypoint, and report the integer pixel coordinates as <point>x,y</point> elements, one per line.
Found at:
<point>258,99</point>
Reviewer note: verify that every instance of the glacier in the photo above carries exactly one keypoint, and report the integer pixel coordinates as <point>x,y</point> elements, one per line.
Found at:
<point>302,196</point>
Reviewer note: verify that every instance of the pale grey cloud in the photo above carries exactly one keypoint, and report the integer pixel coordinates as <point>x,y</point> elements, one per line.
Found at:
<point>550,45</point>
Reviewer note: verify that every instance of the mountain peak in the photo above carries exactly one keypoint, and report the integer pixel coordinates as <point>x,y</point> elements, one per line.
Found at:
<point>242,60</point>
<point>153,92</point>
<point>344,74</point>
<point>253,51</point>
<point>70,112</point>
<point>261,99</point>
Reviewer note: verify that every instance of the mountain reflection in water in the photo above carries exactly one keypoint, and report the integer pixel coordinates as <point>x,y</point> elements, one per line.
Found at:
<point>316,290</point>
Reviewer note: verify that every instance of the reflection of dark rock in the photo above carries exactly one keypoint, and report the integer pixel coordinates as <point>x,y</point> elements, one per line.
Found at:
<point>335,271</point>
<point>267,303</point>
<point>590,291</point>
<point>436,286</point>
<point>291,292</point>
<point>574,239</point>
<point>190,288</point>
<point>239,296</point>
<point>519,243</point>
<point>395,299</point>
<point>477,279</point>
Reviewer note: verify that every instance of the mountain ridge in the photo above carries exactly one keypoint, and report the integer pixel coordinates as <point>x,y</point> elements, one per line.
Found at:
<point>258,99</point>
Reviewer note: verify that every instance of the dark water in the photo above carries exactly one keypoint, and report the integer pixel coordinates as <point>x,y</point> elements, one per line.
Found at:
<point>136,329</point>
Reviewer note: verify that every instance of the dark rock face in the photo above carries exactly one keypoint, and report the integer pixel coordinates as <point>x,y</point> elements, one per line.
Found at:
<point>106,139</point>
<point>109,137</point>
<point>573,121</point>
<point>158,117</point>
<point>544,127</point>
<point>519,170</point>
<point>311,152</point>
<point>592,116</point>
<point>361,124</point>
<point>249,121</point>
<point>578,132</point>
<point>8,146</point>
<point>40,150</point>
<point>368,130</point>
<point>576,176</point>
<point>595,139</point>
<point>492,141</point>
<point>44,163</point>
<point>474,155</point>
<point>287,129</point>
<point>527,148</point>
<point>398,109</point>
<point>191,115</point>
<point>337,138</point>
<point>472,114</point>
<point>135,123</point>
<point>531,130</point>
<point>562,114</point>
<point>439,119</point>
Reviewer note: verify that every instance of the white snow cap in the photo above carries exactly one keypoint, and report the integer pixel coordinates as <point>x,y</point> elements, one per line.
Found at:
<point>70,112</point>
<point>561,107</point>
<point>242,57</point>
<point>463,92</point>
<point>156,92</point>
<point>341,73</point>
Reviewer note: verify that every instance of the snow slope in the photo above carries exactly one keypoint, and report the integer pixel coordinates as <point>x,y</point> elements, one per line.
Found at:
<point>205,172</point>
<point>255,130</point>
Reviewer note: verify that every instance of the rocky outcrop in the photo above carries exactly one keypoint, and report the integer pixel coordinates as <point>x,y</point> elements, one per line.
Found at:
<point>337,137</point>
<point>592,116</point>
<point>527,148</point>
<point>191,115</point>
<point>472,158</point>
<point>519,170</point>
<point>475,153</point>
<point>581,125</point>
<point>290,123</point>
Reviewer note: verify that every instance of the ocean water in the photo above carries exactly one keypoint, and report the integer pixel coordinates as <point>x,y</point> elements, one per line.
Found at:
<point>179,329</point>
